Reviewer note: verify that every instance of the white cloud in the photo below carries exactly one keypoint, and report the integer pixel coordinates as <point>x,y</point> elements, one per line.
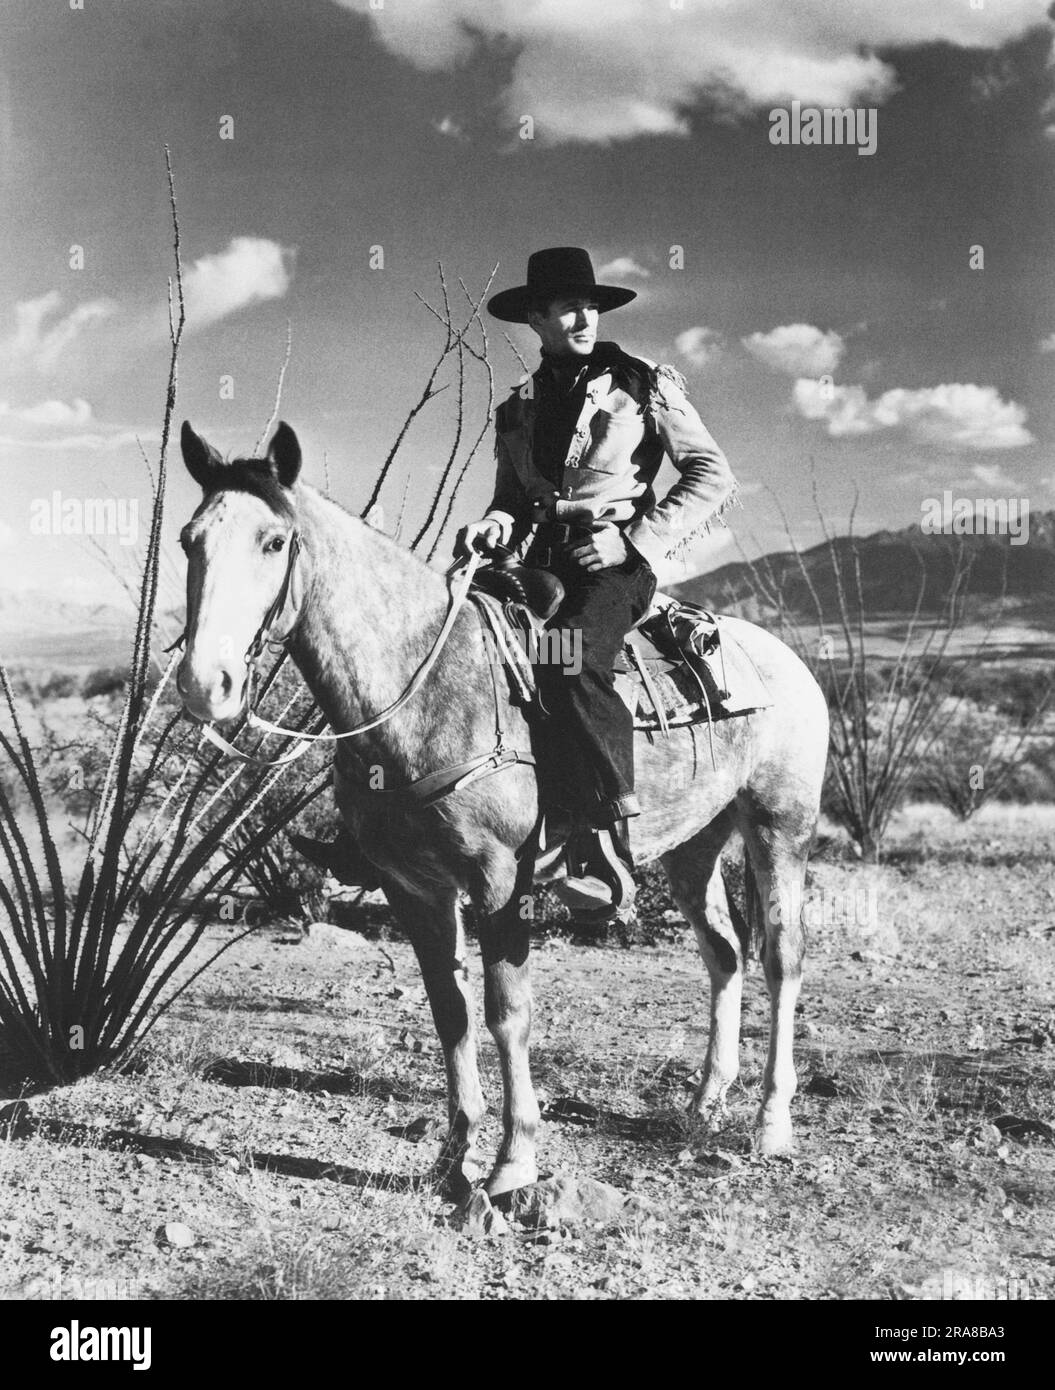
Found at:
<point>99,442</point>
<point>700,346</point>
<point>648,62</point>
<point>798,349</point>
<point>34,344</point>
<point>953,416</point>
<point>250,271</point>
<point>992,475</point>
<point>49,413</point>
<point>1047,344</point>
<point>35,426</point>
<point>7,535</point>
<point>622,268</point>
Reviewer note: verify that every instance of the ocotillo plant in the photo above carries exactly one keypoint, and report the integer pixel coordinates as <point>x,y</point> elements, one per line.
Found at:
<point>87,969</point>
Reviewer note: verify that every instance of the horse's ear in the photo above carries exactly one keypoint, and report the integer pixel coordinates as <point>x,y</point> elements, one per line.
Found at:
<point>201,458</point>
<point>284,453</point>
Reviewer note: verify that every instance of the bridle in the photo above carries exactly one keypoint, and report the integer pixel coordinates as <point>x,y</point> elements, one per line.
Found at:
<point>263,638</point>
<point>460,576</point>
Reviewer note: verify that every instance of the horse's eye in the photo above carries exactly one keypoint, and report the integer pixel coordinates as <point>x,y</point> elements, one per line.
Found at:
<point>274,545</point>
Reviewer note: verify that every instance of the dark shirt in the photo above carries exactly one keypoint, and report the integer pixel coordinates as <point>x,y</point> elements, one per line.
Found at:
<point>560,390</point>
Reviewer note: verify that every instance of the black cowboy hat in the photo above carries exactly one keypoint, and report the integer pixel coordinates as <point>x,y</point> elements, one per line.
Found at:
<point>559,270</point>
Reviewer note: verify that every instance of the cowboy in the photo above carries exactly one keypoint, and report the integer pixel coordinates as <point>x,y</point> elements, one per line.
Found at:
<point>578,448</point>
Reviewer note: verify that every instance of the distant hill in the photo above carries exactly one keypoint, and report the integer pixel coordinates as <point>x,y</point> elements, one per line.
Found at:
<point>43,631</point>
<point>40,629</point>
<point>892,564</point>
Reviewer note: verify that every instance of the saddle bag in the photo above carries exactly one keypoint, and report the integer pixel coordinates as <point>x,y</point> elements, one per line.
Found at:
<point>689,635</point>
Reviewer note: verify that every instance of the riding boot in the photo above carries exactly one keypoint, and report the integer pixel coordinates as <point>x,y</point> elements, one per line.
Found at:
<point>341,857</point>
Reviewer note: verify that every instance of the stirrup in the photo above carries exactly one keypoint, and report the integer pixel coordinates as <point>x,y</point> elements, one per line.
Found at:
<point>608,890</point>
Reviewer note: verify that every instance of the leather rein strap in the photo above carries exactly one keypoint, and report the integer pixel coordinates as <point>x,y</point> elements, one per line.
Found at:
<point>425,790</point>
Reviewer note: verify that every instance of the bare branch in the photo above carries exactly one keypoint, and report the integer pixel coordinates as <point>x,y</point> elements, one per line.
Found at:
<point>273,417</point>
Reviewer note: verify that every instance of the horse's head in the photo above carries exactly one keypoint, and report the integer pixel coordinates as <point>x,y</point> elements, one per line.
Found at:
<point>244,575</point>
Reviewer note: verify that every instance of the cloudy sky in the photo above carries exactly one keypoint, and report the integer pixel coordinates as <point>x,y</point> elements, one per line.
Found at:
<point>826,305</point>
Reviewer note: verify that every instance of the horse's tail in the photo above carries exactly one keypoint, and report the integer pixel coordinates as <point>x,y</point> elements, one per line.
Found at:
<point>748,924</point>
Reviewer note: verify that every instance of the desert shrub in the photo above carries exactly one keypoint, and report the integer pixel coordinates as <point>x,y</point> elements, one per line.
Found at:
<point>108,680</point>
<point>60,685</point>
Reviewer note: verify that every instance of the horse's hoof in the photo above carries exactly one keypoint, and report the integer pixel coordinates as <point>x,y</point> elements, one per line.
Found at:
<point>708,1104</point>
<point>774,1137</point>
<point>507,1178</point>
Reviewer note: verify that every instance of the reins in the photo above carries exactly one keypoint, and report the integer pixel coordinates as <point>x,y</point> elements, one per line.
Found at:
<point>463,571</point>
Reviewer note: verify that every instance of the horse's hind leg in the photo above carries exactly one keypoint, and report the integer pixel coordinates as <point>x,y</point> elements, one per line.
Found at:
<point>695,873</point>
<point>438,937</point>
<point>778,857</point>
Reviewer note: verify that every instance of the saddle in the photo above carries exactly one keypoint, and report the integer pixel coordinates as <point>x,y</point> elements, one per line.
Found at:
<point>679,666</point>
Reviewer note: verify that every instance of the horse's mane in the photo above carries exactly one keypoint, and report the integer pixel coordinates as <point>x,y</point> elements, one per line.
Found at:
<point>255,476</point>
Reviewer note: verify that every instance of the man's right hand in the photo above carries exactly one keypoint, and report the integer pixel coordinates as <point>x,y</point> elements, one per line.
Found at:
<point>481,536</point>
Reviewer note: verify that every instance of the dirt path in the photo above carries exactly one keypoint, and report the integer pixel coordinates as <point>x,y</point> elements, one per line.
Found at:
<point>267,1129</point>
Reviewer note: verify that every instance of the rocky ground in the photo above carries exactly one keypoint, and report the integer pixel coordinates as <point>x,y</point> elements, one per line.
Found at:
<point>268,1143</point>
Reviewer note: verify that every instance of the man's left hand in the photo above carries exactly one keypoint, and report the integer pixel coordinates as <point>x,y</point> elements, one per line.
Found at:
<point>605,548</point>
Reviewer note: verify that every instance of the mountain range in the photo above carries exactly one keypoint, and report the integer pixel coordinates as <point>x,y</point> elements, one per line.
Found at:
<point>1011,583</point>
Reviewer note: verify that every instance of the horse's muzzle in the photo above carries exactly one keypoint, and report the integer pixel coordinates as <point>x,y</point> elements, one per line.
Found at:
<point>214,700</point>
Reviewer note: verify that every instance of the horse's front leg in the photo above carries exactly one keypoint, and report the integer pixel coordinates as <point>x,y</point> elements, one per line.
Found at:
<point>438,937</point>
<point>505,940</point>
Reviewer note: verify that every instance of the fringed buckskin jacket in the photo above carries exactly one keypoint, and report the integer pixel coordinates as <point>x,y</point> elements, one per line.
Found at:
<point>634,412</point>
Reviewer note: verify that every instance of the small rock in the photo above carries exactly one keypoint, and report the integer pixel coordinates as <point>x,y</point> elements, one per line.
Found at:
<point>326,934</point>
<point>636,1205</point>
<point>565,1201</point>
<point>14,1116</point>
<point>827,1086</point>
<point>416,1130</point>
<point>330,1221</point>
<point>477,1218</point>
<point>748,1282</point>
<point>175,1233</point>
<point>571,1111</point>
<point>410,1042</point>
<point>1016,1128</point>
<point>718,1162</point>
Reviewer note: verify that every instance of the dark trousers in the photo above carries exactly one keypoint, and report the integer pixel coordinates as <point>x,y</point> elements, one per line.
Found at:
<point>585,747</point>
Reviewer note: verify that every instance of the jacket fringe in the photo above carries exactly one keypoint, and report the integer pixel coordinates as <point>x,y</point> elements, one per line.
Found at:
<point>731,500</point>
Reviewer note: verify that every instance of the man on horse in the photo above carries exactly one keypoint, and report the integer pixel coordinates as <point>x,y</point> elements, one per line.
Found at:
<point>578,449</point>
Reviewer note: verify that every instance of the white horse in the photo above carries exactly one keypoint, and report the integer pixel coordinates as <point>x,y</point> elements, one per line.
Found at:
<point>268,554</point>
